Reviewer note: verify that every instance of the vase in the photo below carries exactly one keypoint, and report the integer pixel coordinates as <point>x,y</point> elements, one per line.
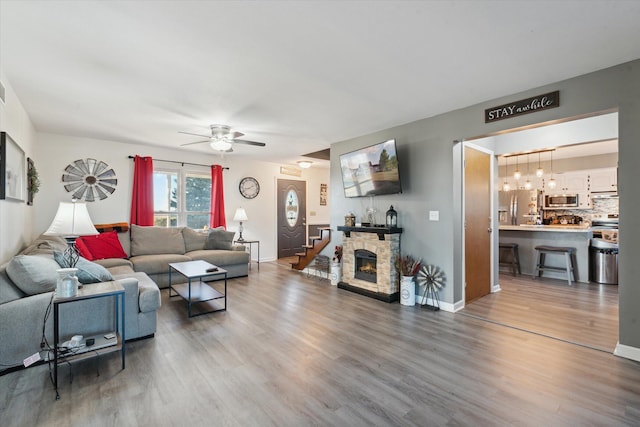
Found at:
<point>407,291</point>
<point>67,284</point>
<point>336,273</point>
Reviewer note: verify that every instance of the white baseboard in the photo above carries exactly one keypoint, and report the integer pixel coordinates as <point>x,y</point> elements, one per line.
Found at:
<point>496,288</point>
<point>627,352</point>
<point>444,306</point>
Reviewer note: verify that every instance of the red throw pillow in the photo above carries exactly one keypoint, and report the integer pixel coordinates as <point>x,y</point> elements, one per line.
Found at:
<point>105,245</point>
<point>83,250</point>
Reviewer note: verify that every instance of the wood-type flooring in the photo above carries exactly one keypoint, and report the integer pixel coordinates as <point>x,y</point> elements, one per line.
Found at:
<point>293,350</point>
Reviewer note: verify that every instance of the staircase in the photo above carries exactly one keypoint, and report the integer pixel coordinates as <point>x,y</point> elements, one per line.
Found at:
<point>318,243</point>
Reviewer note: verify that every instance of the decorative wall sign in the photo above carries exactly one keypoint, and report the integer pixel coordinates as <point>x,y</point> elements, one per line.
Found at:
<point>524,106</point>
<point>288,170</point>
<point>323,194</point>
<point>12,169</point>
<point>89,179</point>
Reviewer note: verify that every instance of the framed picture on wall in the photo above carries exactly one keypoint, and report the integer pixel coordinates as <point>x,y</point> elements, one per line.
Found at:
<point>323,194</point>
<point>12,169</point>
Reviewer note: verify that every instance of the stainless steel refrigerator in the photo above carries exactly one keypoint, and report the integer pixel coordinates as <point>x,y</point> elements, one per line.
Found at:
<point>518,207</point>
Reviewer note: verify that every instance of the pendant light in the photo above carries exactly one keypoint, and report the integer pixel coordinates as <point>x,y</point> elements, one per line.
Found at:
<point>505,186</point>
<point>552,182</point>
<point>527,183</point>
<point>539,171</point>
<point>517,175</point>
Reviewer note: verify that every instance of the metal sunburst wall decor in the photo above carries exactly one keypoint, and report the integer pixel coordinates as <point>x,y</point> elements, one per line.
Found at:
<point>89,179</point>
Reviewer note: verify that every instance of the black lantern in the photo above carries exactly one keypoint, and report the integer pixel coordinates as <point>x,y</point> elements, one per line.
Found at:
<point>392,217</point>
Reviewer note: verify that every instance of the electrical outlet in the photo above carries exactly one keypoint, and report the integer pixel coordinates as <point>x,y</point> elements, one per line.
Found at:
<point>434,215</point>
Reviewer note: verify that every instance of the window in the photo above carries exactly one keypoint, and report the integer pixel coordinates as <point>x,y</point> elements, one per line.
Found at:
<point>181,198</point>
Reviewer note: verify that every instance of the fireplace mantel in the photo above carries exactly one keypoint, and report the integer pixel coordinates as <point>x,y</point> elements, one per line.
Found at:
<point>380,231</point>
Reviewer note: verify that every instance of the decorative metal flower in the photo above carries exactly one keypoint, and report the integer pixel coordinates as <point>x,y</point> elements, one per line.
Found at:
<point>89,179</point>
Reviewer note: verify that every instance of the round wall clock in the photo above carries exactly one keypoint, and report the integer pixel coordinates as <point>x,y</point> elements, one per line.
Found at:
<point>249,187</point>
<point>89,179</point>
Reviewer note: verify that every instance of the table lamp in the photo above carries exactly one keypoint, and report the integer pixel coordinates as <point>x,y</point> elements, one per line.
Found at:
<point>71,221</point>
<point>240,215</point>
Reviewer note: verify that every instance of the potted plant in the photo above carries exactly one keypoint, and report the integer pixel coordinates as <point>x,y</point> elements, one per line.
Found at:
<point>336,270</point>
<point>407,267</point>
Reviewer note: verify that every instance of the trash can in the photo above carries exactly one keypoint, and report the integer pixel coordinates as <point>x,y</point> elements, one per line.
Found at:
<point>603,262</point>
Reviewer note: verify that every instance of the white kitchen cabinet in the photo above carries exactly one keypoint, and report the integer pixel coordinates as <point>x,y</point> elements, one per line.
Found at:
<point>570,182</point>
<point>604,179</point>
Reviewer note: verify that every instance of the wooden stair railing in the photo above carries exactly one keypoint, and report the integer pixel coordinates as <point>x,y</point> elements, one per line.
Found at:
<point>318,243</point>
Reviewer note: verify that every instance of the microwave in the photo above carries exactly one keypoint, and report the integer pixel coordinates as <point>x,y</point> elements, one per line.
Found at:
<point>561,201</point>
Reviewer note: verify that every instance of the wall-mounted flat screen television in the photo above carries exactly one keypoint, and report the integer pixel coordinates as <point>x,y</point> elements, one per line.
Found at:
<point>371,171</point>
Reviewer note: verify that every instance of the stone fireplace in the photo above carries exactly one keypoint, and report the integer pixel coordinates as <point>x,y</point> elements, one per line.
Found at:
<point>368,255</point>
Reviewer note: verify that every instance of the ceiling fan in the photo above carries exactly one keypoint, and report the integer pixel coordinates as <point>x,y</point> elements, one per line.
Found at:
<point>222,139</point>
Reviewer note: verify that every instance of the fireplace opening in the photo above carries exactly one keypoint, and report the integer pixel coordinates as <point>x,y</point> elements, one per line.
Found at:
<point>365,265</point>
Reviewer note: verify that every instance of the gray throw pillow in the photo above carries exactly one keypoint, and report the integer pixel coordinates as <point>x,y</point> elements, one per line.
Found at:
<point>33,274</point>
<point>88,272</point>
<point>220,239</point>
<point>156,240</point>
<point>194,240</point>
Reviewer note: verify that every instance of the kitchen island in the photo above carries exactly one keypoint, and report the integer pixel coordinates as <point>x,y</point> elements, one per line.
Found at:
<point>529,236</point>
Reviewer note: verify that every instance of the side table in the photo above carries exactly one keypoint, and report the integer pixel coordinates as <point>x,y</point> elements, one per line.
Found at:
<point>102,343</point>
<point>250,243</point>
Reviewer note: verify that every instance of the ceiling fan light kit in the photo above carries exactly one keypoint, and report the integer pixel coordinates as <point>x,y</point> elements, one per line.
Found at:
<point>222,138</point>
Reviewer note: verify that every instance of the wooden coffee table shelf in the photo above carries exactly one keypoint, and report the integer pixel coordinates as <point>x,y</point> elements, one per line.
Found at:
<point>196,291</point>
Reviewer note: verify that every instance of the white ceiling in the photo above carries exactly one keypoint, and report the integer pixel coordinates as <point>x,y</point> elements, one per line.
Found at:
<point>295,75</point>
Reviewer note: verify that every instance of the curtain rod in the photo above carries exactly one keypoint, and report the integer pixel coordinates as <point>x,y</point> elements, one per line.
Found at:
<point>182,163</point>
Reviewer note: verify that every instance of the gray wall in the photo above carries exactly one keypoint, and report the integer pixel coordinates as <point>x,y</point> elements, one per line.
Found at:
<point>431,181</point>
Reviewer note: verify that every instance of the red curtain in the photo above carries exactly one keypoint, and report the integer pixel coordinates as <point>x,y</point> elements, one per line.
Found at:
<point>142,194</point>
<point>217,198</point>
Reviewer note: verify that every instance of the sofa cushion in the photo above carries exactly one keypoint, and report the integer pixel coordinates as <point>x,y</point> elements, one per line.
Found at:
<point>33,274</point>
<point>101,246</point>
<point>220,257</point>
<point>154,264</point>
<point>88,272</point>
<point>220,239</point>
<point>156,240</point>
<point>45,245</point>
<point>194,240</point>
<point>148,292</point>
<point>8,290</point>
<point>114,262</point>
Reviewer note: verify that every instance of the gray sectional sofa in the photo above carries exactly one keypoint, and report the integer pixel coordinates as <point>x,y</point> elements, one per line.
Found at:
<point>150,250</point>
<point>27,285</point>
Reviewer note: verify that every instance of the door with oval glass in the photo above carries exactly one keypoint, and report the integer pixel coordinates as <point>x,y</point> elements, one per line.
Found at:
<point>292,217</point>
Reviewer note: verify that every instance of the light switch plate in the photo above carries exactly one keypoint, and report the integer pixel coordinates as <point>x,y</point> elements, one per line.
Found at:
<point>434,215</point>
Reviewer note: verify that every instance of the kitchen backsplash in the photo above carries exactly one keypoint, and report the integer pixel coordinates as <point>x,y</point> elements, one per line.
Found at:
<point>600,207</point>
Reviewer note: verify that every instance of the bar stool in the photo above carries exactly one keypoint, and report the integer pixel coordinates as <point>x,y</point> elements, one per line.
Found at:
<point>514,258</point>
<point>543,250</point>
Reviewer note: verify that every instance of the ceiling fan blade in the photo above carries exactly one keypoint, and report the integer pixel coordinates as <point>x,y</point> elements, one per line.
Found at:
<point>195,134</point>
<point>196,142</point>
<point>244,141</point>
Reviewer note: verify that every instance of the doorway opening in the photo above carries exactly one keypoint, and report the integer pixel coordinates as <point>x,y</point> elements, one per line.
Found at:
<point>581,143</point>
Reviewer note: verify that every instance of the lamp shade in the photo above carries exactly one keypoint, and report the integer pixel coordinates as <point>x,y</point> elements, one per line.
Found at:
<point>241,215</point>
<point>72,219</point>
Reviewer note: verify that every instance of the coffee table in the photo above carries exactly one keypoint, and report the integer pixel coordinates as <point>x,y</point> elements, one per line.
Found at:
<point>196,291</point>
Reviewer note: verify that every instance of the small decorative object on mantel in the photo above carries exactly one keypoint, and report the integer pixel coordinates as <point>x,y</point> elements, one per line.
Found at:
<point>433,279</point>
<point>407,267</point>
<point>392,217</point>
<point>350,220</point>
